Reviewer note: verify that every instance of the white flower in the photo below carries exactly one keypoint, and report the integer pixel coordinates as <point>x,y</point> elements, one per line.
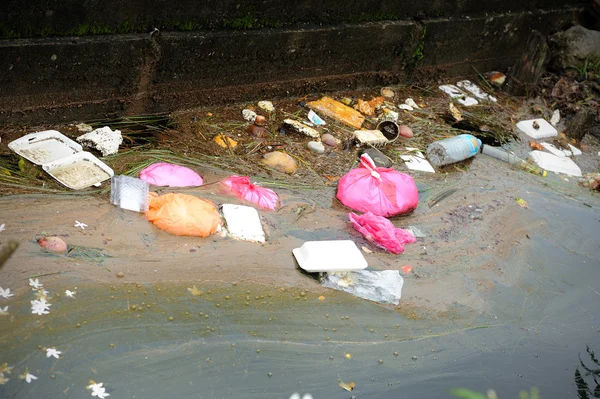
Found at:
<point>80,224</point>
<point>5,293</point>
<point>2,227</point>
<point>98,390</point>
<point>53,352</point>
<point>35,283</point>
<point>27,376</point>
<point>3,311</point>
<point>40,307</point>
<point>70,294</point>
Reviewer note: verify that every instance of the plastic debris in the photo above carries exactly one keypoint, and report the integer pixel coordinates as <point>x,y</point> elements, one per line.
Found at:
<point>379,158</point>
<point>555,118</point>
<point>166,174</point>
<point>266,105</point>
<point>314,118</point>
<point>280,161</point>
<point>381,191</point>
<point>249,115</point>
<point>411,103</point>
<point>251,192</point>
<point>370,137</point>
<point>104,139</point>
<point>537,128</point>
<point>129,193</point>
<point>299,127</point>
<point>499,153</point>
<point>417,161</point>
<point>416,232</point>
<point>454,149</point>
<point>455,92</point>
<point>183,215</point>
<point>381,286</point>
<point>329,256</point>
<point>382,232</point>
<point>554,163</point>
<point>476,90</point>
<point>561,153</point>
<point>243,222</point>
<point>406,107</point>
<point>336,110</point>
<point>390,130</point>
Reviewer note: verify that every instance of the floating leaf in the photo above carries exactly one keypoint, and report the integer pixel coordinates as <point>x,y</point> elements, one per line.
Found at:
<point>195,291</point>
<point>5,369</point>
<point>21,164</point>
<point>3,379</point>
<point>348,387</point>
<point>521,202</point>
<point>464,393</point>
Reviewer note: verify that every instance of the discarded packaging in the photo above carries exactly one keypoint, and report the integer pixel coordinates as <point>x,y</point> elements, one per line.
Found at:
<point>336,110</point>
<point>370,137</point>
<point>299,127</point>
<point>555,164</point>
<point>455,92</point>
<point>79,171</point>
<point>244,189</point>
<point>129,193</point>
<point>382,232</point>
<point>417,161</point>
<point>537,128</point>
<point>561,153</point>
<point>475,90</point>
<point>183,215</point>
<point>316,119</point>
<point>389,129</point>
<point>166,174</point>
<point>381,286</point>
<point>44,147</point>
<point>104,139</point>
<point>280,161</point>
<point>378,157</point>
<point>243,222</point>
<point>512,159</point>
<point>330,256</point>
<point>454,149</point>
<point>381,191</point>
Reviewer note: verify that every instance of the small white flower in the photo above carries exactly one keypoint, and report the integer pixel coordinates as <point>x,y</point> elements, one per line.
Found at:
<point>4,311</point>
<point>95,386</point>
<point>27,376</point>
<point>5,293</point>
<point>53,352</point>
<point>40,307</point>
<point>80,224</point>
<point>70,294</point>
<point>2,227</point>
<point>35,283</point>
<point>98,390</point>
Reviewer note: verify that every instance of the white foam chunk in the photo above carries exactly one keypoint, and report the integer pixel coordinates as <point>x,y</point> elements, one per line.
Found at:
<point>543,131</point>
<point>475,90</point>
<point>330,256</point>
<point>417,161</point>
<point>103,139</point>
<point>243,222</point>
<point>555,163</point>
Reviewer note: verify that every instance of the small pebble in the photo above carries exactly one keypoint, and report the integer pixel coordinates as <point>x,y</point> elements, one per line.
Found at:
<point>316,147</point>
<point>380,361</point>
<point>171,318</point>
<point>329,140</point>
<point>414,358</point>
<point>120,274</point>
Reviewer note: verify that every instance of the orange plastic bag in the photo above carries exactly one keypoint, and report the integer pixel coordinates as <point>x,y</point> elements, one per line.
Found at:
<point>183,215</point>
<point>336,110</point>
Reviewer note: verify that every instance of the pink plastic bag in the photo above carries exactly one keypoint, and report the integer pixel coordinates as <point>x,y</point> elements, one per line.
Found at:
<point>242,188</point>
<point>166,174</point>
<point>381,191</point>
<point>382,232</point>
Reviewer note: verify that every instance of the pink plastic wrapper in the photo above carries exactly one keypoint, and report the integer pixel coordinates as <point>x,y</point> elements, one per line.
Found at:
<point>166,174</point>
<point>382,232</point>
<point>381,191</point>
<point>242,188</point>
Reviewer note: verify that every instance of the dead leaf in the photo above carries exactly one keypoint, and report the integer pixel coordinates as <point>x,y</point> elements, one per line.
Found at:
<point>521,202</point>
<point>195,291</point>
<point>331,178</point>
<point>536,146</point>
<point>348,387</point>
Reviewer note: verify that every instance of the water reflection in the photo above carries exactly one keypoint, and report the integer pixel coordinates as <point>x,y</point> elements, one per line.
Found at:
<point>586,378</point>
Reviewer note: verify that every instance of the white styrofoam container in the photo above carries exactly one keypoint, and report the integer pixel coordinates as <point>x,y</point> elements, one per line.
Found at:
<point>371,137</point>
<point>417,161</point>
<point>44,147</point>
<point>79,170</point>
<point>545,130</point>
<point>330,256</point>
<point>243,222</point>
<point>555,163</point>
<point>455,92</point>
<point>561,153</point>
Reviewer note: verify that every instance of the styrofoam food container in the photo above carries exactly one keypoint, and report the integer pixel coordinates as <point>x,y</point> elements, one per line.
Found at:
<point>243,222</point>
<point>545,129</point>
<point>44,147</point>
<point>330,256</point>
<point>78,171</point>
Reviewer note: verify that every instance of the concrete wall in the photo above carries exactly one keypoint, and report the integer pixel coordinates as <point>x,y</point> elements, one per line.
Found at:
<point>56,65</point>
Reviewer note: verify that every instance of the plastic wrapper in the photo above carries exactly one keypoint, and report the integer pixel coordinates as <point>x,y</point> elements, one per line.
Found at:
<point>183,215</point>
<point>382,232</point>
<point>379,286</point>
<point>129,193</point>
<point>381,191</point>
<point>166,174</point>
<point>244,189</point>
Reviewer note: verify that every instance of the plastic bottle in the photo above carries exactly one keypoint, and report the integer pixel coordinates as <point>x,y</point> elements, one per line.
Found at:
<point>512,159</point>
<point>455,149</point>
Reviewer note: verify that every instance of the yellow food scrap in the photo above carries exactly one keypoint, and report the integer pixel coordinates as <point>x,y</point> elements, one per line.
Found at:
<point>225,142</point>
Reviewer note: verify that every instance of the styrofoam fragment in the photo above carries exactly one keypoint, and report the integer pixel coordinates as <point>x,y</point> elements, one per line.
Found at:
<point>103,139</point>
<point>406,107</point>
<point>372,137</point>
<point>249,115</point>
<point>554,163</point>
<point>417,161</point>
<point>330,256</point>
<point>544,130</point>
<point>299,127</point>
<point>457,93</point>
<point>410,102</point>
<point>555,118</point>
<point>243,222</point>
<point>476,90</point>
